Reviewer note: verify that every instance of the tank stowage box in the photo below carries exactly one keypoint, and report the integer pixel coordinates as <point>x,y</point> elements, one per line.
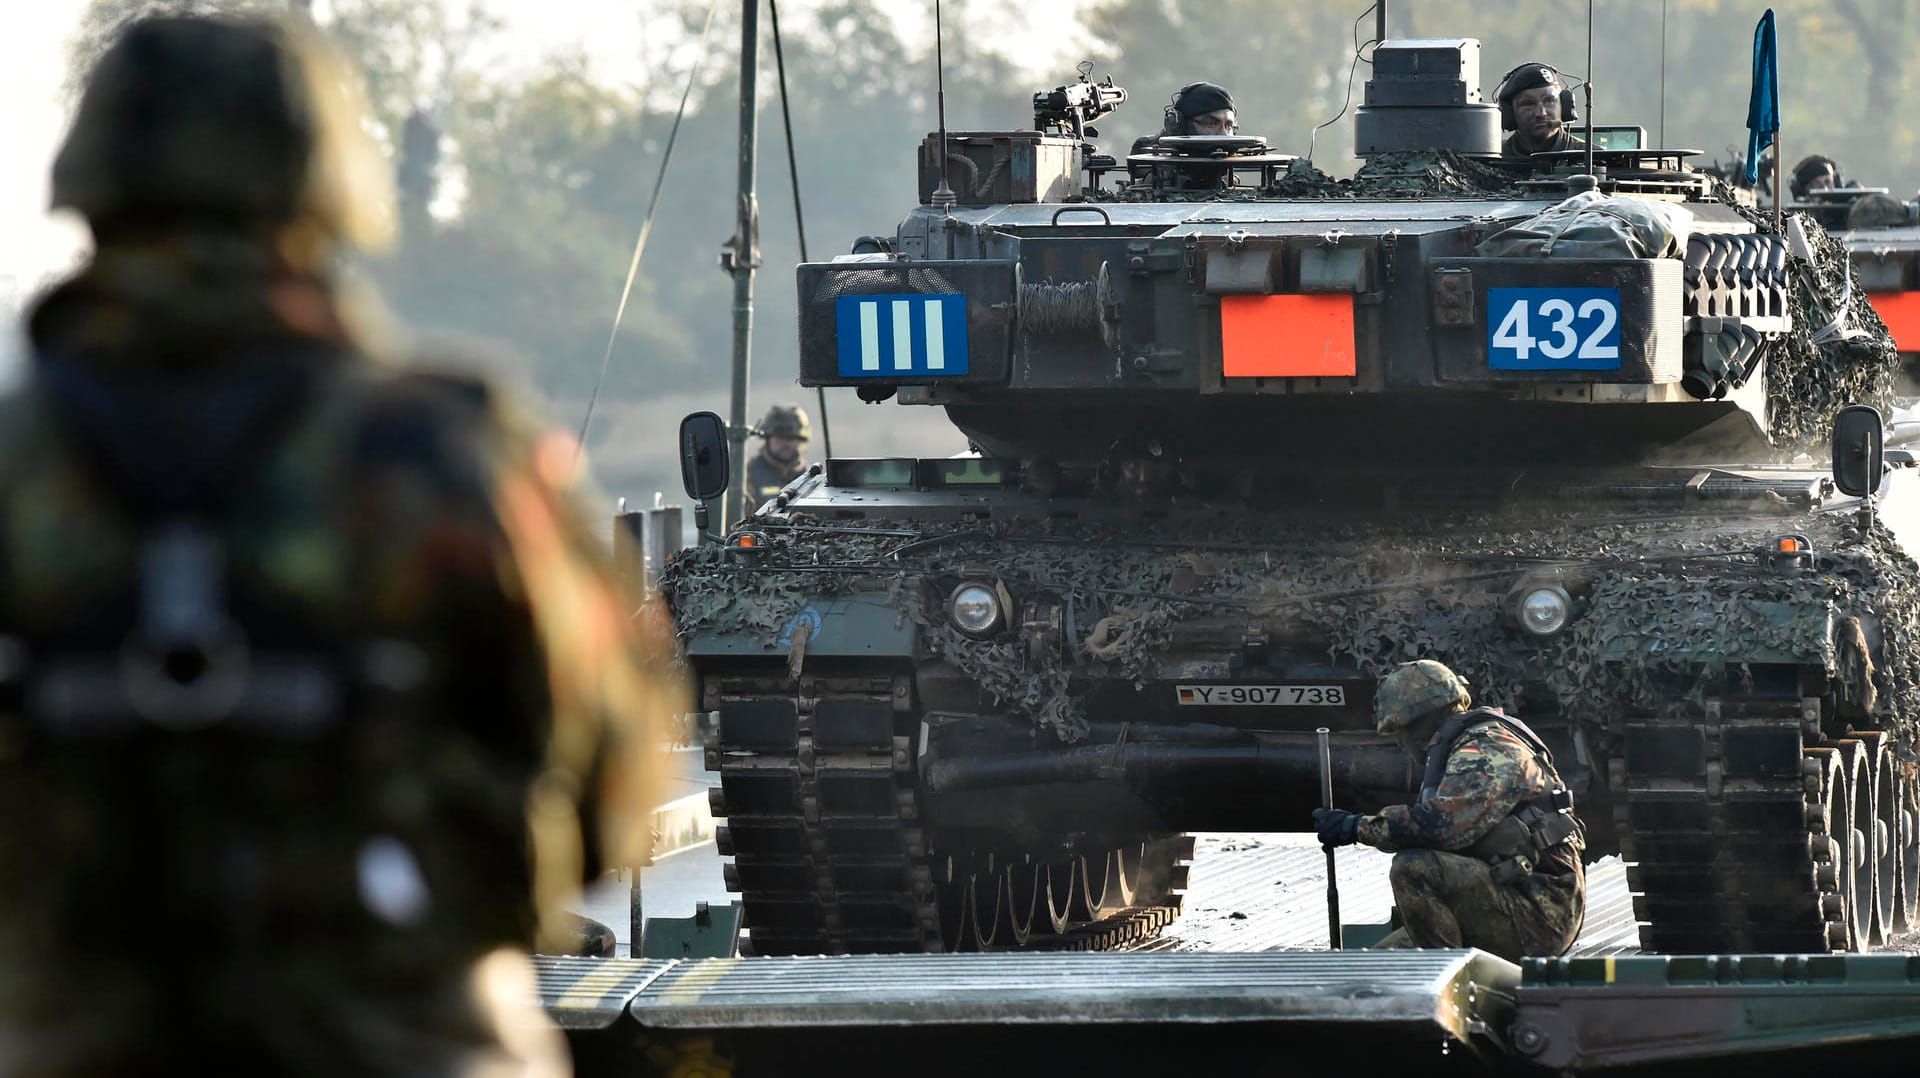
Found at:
<point>989,167</point>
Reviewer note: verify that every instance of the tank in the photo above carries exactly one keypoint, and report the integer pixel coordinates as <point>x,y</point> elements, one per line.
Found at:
<point>1883,236</point>
<point>1240,439</point>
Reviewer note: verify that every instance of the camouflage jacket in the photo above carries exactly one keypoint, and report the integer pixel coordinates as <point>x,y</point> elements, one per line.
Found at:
<point>353,503</point>
<point>1489,773</point>
<point>1565,140</point>
<point>765,477</point>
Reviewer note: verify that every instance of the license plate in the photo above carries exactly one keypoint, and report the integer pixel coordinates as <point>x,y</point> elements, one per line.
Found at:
<point>1260,695</point>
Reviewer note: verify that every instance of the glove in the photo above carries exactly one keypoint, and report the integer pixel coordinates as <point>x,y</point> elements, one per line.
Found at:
<point>1336,827</point>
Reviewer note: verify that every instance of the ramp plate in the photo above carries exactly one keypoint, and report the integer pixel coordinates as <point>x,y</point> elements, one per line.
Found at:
<point>591,993</point>
<point>1579,1014</point>
<point>1440,991</point>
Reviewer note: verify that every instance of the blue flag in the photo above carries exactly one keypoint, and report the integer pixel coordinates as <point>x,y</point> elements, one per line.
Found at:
<point>1763,109</point>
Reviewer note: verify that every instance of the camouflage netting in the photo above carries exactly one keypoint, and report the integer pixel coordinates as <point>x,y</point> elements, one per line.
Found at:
<point>1663,606</point>
<point>1806,381</point>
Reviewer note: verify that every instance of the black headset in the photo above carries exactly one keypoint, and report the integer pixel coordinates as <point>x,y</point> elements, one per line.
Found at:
<point>1505,99</point>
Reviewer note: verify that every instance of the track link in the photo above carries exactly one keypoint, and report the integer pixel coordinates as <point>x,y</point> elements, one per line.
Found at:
<point>1725,820</point>
<point>827,848</point>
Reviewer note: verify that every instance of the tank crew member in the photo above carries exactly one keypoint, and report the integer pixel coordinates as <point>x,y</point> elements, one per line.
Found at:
<point>1815,172</point>
<point>1198,108</point>
<point>315,648</point>
<point>785,430</point>
<point>1535,105</point>
<point>1488,856</point>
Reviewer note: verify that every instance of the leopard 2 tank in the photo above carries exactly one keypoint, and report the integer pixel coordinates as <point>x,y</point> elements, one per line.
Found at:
<point>1241,438</point>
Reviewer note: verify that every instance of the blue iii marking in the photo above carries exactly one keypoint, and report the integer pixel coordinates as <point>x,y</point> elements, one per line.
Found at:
<point>902,336</point>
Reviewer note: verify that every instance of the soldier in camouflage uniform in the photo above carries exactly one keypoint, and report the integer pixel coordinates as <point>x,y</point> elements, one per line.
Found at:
<point>1489,854</point>
<point>785,430</point>
<point>316,698</point>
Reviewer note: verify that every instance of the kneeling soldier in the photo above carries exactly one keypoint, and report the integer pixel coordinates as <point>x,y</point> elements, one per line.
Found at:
<point>1488,855</point>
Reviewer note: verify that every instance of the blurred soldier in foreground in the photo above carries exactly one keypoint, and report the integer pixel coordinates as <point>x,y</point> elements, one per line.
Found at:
<point>318,697</point>
<point>1489,854</point>
<point>785,430</point>
<point>1535,105</point>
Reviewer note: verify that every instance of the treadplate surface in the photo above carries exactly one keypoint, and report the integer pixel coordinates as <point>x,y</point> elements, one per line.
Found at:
<point>1442,990</point>
<point>592,993</point>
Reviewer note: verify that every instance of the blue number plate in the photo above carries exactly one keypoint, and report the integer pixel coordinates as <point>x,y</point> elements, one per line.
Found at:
<point>1553,329</point>
<point>911,336</point>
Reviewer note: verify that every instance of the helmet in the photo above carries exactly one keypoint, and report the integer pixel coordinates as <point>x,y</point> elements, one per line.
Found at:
<point>239,122</point>
<point>788,420</point>
<point>1528,76</point>
<point>1415,690</point>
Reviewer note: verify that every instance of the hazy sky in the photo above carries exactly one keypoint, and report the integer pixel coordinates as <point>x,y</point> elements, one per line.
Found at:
<point>33,39</point>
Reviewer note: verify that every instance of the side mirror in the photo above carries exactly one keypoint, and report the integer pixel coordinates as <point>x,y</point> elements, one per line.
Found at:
<point>703,456</point>
<point>1858,437</point>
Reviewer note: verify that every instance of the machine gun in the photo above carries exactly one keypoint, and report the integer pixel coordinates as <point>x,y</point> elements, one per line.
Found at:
<point>1067,110</point>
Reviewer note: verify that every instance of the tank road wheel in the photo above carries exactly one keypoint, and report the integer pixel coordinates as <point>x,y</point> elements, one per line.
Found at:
<point>950,880</point>
<point>1091,896</point>
<point>1883,848</point>
<point>986,903</point>
<point>1124,876</point>
<point>1019,883</point>
<point>1061,879</point>
<point>1907,842</point>
<point>1857,840</point>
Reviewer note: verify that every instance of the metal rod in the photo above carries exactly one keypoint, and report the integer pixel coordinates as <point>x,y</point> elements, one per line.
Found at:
<point>1663,74</point>
<point>745,254</point>
<point>1380,20</point>
<point>1779,192</point>
<point>1589,88</point>
<point>1334,939</point>
<point>943,196</point>
<point>793,178</point>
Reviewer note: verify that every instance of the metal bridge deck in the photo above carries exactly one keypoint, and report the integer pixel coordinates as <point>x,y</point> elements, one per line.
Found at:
<point>1260,892</point>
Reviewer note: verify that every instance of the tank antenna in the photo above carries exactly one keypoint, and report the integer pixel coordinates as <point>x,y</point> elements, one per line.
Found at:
<point>943,196</point>
<point>1663,74</point>
<point>1589,88</point>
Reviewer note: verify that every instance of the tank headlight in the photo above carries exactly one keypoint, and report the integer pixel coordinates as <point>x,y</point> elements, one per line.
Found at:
<point>974,609</point>
<point>1543,610</point>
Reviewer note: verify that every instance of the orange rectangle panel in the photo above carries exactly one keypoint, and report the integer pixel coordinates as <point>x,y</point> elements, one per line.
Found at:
<point>1287,336</point>
<point>1901,312</point>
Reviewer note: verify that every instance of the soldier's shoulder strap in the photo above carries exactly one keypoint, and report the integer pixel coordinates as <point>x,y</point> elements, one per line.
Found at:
<point>1456,730</point>
<point>1520,730</point>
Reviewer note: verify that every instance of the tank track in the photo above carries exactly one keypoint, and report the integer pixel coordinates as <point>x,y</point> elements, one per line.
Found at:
<point>829,853</point>
<point>1738,826</point>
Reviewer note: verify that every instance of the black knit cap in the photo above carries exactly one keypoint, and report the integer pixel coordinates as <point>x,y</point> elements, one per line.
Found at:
<point>1200,98</point>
